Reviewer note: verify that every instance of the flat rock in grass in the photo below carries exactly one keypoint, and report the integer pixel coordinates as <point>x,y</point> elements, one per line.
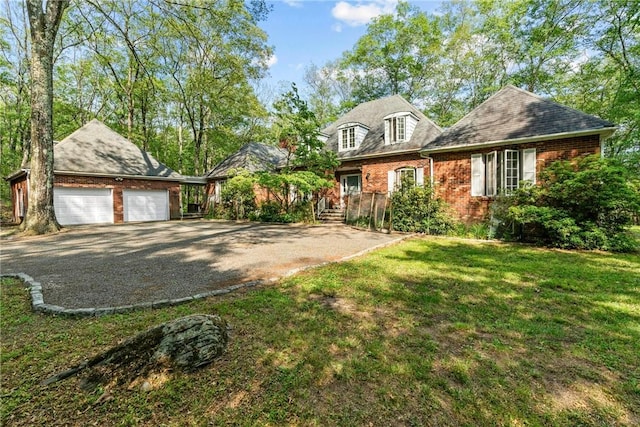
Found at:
<point>186,343</point>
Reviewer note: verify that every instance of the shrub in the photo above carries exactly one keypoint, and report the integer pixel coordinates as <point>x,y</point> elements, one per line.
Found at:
<point>415,209</point>
<point>480,230</point>
<point>585,204</point>
<point>237,199</point>
<point>273,211</point>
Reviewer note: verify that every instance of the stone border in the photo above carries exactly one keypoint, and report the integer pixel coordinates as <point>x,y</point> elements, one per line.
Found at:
<point>39,306</point>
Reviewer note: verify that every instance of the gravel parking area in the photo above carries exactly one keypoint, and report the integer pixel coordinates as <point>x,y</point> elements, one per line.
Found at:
<point>116,265</point>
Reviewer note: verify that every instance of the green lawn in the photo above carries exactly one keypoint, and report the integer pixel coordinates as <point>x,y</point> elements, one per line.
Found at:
<point>433,331</point>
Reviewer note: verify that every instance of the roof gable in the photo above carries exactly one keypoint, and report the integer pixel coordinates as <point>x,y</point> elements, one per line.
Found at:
<point>513,113</point>
<point>371,115</point>
<point>97,149</point>
<point>252,157</point>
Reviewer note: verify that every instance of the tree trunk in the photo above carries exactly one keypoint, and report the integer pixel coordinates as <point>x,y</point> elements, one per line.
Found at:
<point>40,217</point>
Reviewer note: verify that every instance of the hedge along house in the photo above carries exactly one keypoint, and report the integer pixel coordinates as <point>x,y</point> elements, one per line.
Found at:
<point>102,177</point>
<point>503,143</point>
<point>378,144</point>
<point>252,157</point>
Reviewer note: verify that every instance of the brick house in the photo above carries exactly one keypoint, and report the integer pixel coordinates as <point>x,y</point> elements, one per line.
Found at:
<point>502,143</point>
<point>252,157</point>
<point>101,177</point>
<point>378,143</point>
<point>506,141</point>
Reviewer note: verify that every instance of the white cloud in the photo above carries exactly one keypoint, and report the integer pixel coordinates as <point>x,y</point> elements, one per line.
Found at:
<point>271,61</point>
<point>361,13</point>
<point>293,3</point>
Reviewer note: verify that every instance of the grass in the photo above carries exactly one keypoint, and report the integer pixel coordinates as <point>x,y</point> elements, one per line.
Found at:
<point>434,331</point>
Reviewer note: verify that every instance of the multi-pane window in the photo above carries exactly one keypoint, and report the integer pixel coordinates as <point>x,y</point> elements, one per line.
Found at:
<point>348,138</point>
<point>405,177</point>
<point>396,128</point>
<point>502,170</point>
<point>511,169</point>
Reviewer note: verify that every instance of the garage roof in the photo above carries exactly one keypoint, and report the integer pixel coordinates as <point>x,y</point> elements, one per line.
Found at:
<point>98,150</point>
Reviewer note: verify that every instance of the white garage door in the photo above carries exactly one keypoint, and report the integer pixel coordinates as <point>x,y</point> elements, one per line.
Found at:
<point>145,205</point>
<point>83,205</point>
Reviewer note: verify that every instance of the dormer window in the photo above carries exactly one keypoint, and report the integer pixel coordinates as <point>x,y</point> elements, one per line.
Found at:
<point>348,138</point>
<point>398,127</point>
<point>350,135</point>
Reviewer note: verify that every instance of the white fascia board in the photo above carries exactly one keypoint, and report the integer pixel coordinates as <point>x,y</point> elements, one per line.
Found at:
<point>112,175</point>
<point>604,132</point>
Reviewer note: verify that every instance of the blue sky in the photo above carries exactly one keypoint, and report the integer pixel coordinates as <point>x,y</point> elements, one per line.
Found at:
<point>303,32</point>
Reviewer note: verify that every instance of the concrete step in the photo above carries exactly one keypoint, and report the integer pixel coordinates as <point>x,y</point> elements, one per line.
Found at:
<point>332,215</point>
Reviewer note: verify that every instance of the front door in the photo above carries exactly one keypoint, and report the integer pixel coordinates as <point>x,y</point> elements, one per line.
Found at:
<point>349,184</point>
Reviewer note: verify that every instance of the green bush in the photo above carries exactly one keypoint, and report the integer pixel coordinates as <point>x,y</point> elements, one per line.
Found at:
<point>479,230</point>
<point>273,211</point>
<point>237,199</point>
<point>588,203</point>
<point>415,209</point>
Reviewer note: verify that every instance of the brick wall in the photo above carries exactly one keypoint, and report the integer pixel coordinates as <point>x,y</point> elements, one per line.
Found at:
<point>452,171</point>
<point>118,186</point>
<point>377,169</point>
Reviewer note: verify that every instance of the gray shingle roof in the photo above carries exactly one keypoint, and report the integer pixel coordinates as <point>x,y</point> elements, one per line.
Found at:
<point>372,114</point>
<point>252,157</point>
<point>514,113</point>
<point>96,149</point>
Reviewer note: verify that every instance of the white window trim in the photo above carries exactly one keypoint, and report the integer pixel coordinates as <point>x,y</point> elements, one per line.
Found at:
<point>394,177</point>
<point>485,167</point>
<point>506,170</point>
<point>392,128</point>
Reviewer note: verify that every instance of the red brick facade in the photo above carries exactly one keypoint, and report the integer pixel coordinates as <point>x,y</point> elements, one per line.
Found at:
<point>374,172</point>
<point>106,182</point>
<point>452,171</point>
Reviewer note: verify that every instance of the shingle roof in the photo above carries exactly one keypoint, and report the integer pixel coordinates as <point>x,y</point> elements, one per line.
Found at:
<point>514,113</point>
<point>96,149</point>
<point>372,114</point>
<point>252,157</point>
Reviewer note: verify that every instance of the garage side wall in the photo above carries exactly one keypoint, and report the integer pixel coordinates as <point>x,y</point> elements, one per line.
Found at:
<point>118,186</point>
<point>19,191</point>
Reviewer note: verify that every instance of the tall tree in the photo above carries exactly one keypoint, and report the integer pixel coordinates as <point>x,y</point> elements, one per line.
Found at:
<point>43,25</point>
<point>619,42</point>
<point>396,55</point>
<point>14,80</point>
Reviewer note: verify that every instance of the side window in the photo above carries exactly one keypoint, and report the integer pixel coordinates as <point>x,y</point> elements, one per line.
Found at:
<point>511,169</point>
<point>502,170</point>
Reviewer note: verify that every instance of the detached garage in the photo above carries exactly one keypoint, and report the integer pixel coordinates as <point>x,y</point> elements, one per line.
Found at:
<point>101,177</point>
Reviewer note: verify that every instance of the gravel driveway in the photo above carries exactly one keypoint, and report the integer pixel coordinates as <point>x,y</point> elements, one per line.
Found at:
<point>116,265</point>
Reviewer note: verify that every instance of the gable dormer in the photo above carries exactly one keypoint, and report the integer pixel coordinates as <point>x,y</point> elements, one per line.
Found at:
<point>351,135</point>
<point>398,127</point>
